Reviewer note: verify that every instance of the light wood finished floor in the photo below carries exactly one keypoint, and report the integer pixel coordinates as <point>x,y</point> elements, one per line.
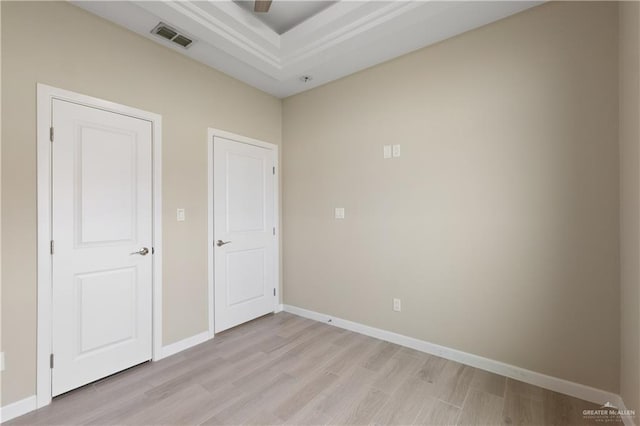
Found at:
<point>284,369</point>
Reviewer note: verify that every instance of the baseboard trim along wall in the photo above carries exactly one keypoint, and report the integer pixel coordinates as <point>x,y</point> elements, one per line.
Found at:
<point>29,404</point>
<point>184,344</point>
<point>627,420</point>
<point>566,387</point>
<point>18,408</point>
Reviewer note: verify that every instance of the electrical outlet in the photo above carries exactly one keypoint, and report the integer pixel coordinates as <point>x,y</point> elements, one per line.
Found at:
<point>339,213</point>
<point>397,305</point>
<point>396,151</point>
<point>180,216</point>
<point>1,361</point>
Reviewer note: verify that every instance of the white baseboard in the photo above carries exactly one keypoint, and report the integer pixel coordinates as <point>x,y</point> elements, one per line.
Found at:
<point>29,404</point>
<point>18,408</point>
<point>181,345</point>
<point>566,387</point>
<point>627,420</point>
<point>279,308</point>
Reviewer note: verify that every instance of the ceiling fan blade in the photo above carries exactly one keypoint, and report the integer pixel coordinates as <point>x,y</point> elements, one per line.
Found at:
<point>261,6</point>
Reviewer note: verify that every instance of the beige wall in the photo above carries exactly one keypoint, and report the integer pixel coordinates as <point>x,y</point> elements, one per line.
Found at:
<point>60,45</point>
<point>498,226</point>
<point>630,203</point>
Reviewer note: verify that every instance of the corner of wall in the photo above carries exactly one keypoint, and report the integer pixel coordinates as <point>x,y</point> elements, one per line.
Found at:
<point>629,144</point>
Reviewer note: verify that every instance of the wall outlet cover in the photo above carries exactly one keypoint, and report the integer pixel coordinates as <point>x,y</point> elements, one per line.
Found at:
<point>339,213</point>
<point>396,150</point>
<point>180,215</point>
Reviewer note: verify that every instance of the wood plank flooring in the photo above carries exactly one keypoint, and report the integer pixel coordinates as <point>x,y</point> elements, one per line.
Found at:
<point>284,369</point>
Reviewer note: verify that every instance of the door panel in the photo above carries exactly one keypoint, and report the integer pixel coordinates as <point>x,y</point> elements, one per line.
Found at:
<point>107,178</point>
<point>245,192</point>
<point>102,212</point>
<point>244,217</point>
<point>245,276</point>
<point>109,294</point>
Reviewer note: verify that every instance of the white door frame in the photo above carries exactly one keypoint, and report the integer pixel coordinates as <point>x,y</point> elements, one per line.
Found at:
<point>276,213</point>
<point>45,96</point>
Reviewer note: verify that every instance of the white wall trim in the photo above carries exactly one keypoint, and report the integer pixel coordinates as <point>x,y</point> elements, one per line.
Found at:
<point>556,384</point>
<point>627,420</point>
<point>45,96</point>
<point>210,241</point>
<point>29,404</point>
<point>185,344</point>
<point>211,133</point>
<point>18,408</point>
<point>235,42</point>
<point>265,49</point>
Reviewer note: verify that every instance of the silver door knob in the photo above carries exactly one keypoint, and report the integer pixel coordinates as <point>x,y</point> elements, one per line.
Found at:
<point>220,243</point>
<point>142,252</point>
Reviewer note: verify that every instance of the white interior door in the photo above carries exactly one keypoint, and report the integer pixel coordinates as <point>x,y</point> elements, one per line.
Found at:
<point>102,212</point>
<point>244,232</point>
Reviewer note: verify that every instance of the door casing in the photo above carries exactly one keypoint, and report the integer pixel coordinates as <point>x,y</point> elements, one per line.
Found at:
<point>276,205</point>
<point>45,96</point>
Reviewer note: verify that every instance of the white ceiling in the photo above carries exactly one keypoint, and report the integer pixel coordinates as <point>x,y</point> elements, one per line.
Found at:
<point>345,37</point>
<point>284,15</point>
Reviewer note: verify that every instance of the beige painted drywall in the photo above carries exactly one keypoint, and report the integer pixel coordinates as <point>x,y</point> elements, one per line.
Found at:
<point>630,203</point>
<point>498,225</point>
<point>58,44</point>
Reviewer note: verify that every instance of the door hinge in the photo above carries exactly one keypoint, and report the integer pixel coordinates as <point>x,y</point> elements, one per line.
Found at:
<point>51,247</point>
<point>274,230</point>
<point>274,170</point>
<point>274,291</point>
<point>51,134</point>
<point>51,361</point>
<point>153,250</point>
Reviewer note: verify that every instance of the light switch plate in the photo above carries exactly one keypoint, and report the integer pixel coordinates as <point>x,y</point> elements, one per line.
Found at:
<point>339,213</point>
<point>387,151</point>
<point>180,216</point>
<point>396,150</point>
<point>1,361</point>
<point>397,305</point>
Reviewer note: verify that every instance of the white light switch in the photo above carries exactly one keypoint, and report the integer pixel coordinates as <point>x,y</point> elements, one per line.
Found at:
<point>339,212</point>
<point>396,150</point>
<point>1,361</point>
<point>180,215</point>
<point>397,305</point>
<point>387,151</point>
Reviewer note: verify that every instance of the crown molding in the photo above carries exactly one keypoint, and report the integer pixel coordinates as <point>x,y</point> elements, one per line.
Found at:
<point>342,39</point>
<point>325,36</point>
<point>267,48</point>
<point>215,27</point>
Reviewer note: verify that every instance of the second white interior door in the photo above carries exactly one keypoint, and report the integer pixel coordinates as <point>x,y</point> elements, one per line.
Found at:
<point>244,232</point>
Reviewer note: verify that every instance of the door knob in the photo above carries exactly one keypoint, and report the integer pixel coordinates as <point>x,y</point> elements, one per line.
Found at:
<point>142,252</point>
<point>220,243</point>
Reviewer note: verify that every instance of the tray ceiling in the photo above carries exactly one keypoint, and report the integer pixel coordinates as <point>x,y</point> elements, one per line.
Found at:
<point>284,15</point>
<point>325,42</point>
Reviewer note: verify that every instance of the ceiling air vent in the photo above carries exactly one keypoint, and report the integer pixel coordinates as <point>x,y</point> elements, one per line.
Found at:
<point>182,40</point>
<point>165,31</point>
